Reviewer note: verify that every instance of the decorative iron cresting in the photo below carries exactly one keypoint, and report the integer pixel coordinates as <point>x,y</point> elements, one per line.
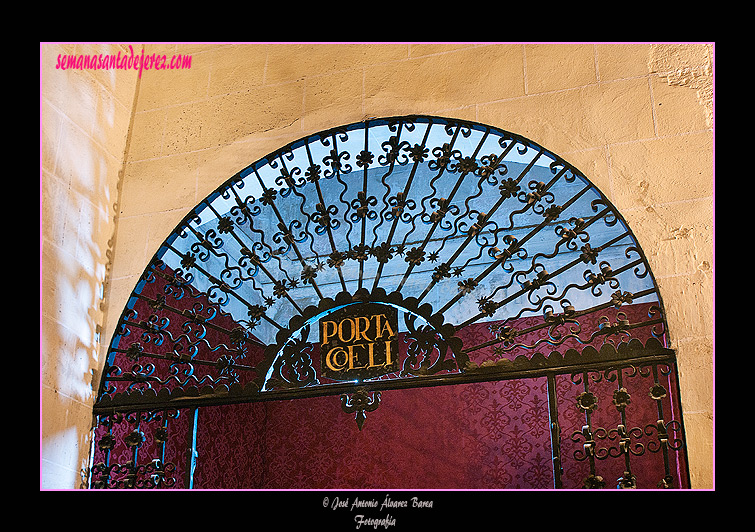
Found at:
<point>453,225</point>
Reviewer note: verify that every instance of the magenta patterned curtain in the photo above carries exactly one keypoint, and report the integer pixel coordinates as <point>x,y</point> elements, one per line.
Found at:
<point>487,435</point>
<point>470,436</point>
<point>492,435</point>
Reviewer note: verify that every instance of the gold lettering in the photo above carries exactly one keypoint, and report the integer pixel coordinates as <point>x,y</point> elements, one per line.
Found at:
<point>340,330</point>
<point>387,326</point>
<point>355,338</point>
<point>325,335</point>
<point>331,361</point>
<point>362,333</point>
<point>351,356</point>
<point>371,356</point>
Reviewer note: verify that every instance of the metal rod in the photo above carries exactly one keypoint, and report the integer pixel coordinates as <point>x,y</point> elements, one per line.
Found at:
<point>396,219</point>
<point>555,431</point>
<point>191,452</point>
<point>492,375</point>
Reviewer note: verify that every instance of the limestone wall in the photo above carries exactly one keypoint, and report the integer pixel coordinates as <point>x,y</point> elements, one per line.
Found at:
<point>635,118</point>
<point>85,117</point>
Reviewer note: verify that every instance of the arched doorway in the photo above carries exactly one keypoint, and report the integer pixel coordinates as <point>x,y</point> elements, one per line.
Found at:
<point>468,297</point>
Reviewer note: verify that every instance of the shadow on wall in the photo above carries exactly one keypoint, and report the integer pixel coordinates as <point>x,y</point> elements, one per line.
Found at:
<point>84,123</point>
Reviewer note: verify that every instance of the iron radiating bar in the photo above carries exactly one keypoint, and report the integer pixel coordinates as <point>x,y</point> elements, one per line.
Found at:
<point>575,314</point>
<point>364,191</point>
<point>435,224</point>
<point>554,274</point>
<point>257,263</point>
<point>282,223</point>
<point>333,246</point>
<point>184,313</point>
<point>519,245</point>
<point>488,214</point>
<point>405,193</point>
<point>455,189</point>
<point>224,287</point>
<point>503,257</point>
<point>392,161</point>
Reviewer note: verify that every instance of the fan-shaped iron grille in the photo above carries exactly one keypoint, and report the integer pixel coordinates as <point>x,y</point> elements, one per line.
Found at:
<point>498,257</point>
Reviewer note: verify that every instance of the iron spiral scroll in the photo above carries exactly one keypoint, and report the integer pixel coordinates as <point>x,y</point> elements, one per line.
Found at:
<point>501,259</point>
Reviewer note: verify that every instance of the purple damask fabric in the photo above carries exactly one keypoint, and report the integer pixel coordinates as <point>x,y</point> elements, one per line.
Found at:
<point>485,435</point>
<point>493,435</point>
<point>470,436</point>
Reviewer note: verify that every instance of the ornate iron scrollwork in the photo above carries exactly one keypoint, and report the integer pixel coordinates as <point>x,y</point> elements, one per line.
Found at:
<point>503,259</point>
<point>133,472</point>
<point>427,351</point>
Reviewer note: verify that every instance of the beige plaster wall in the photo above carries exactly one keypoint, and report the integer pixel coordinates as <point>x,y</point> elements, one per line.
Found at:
<point>635,118</point>
<point>84,119</point>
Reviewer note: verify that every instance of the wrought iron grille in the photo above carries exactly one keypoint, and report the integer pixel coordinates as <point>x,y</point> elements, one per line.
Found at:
<point>500,259</point>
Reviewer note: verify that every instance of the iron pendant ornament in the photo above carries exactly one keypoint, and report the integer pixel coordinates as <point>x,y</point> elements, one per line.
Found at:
<point>360,402</point>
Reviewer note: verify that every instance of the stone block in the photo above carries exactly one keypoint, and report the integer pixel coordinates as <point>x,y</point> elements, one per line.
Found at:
<point>677,109</point>
<point>288,62</point>
<point>232,117</point>
<point>700,442</point>
<point>552,67</point>
<point>161,184</point>
<point>577,119</point>
<point>659,170</point>
<point>445,81</point>
<point>622,60</point>
<point>234,68</point>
